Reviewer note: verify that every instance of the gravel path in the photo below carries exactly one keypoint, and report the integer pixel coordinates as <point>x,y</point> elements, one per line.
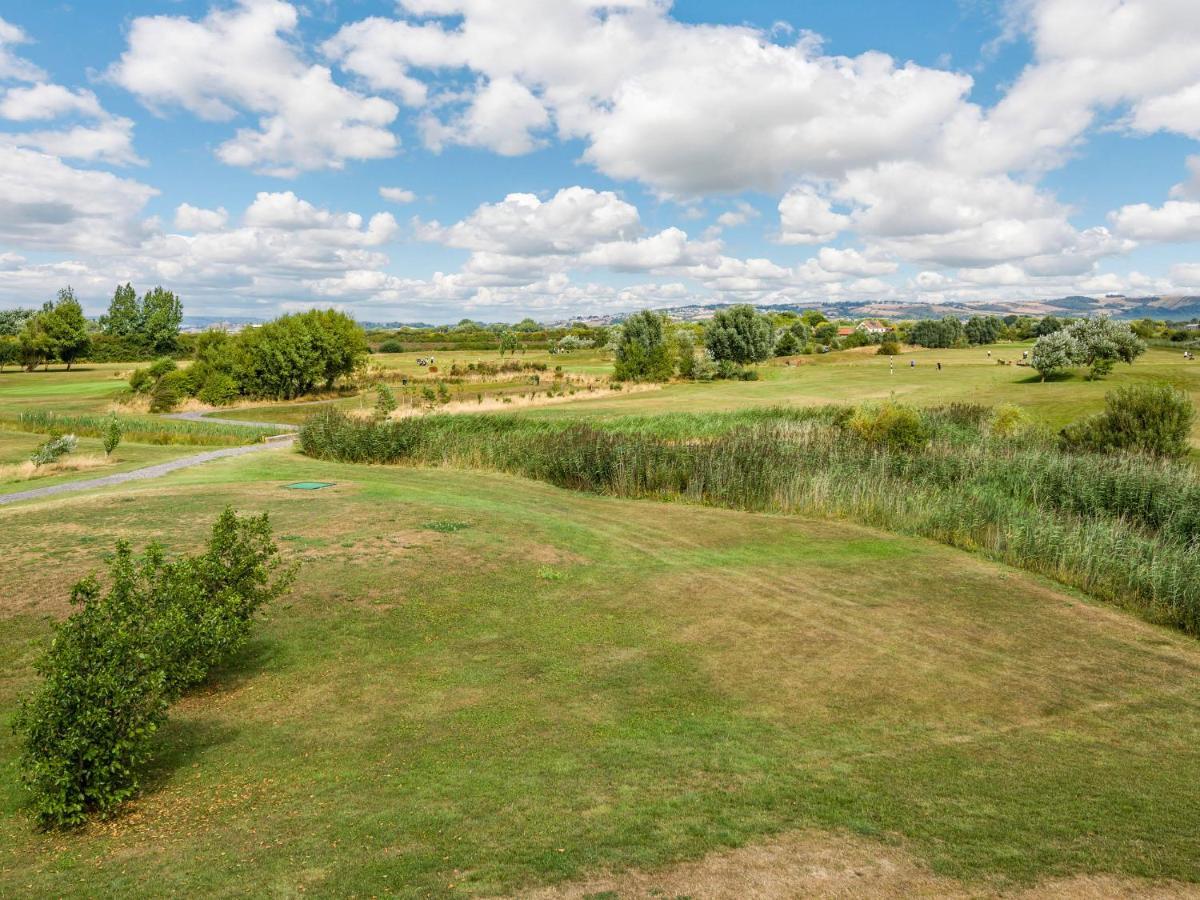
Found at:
<point>154,471</point>
<point>201,417</point>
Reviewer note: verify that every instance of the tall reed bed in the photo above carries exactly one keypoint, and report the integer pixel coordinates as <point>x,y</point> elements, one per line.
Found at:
<point>1124,529</point>
<point>142,429</point>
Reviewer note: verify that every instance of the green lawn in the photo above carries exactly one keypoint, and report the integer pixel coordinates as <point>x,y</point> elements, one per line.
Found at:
<point>573,683</point>
<point>87,388</point>
<point>967,376</point>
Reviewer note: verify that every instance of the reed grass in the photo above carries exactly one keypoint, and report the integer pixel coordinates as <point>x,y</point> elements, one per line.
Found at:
<point>1125,529</point>
<point>141,429</point>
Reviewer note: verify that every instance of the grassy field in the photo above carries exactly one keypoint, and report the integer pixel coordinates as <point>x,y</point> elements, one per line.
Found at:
<point>484,684</point>
<point>89,388</point>
<point>15,447</point>
<point>967,376</point>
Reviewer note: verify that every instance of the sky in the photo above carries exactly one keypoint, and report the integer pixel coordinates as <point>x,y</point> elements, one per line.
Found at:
<point>430,160</point>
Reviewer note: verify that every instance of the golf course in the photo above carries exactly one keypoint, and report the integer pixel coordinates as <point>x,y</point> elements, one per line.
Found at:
<point>485,685</point>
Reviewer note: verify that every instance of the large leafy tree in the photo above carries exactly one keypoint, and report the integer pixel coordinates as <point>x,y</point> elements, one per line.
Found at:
<point>12,321</point>
<point>983,329</point>
<point>740,335</point>
<point>58,331</point>
<point>124,317</point>
<point>643,353</point>
<point>1053,353</point>
<point>295,354</point>
<point>161,318</point>
<point>66,327</point>
<point>1102,342</point>
<point>937,333</point>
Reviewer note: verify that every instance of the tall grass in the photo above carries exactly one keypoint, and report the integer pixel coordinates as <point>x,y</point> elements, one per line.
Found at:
<point>142,429</point>
<point>1124,529</point>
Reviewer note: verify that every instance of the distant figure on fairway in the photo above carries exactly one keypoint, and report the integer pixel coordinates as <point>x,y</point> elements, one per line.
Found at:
<point>939,367</point>
<point>912,363</point>
<point>989,354</point>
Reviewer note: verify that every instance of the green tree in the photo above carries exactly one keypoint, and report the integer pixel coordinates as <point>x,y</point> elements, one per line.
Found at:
<point>1048,325</point>
<point>12,321</point>
<point>812,318</point>
<point>1053,353</point>
<point>937,333</point>
<point>983,329</point>
<point>10,351</point>
<point>295,354</point>
<point>161,318</point>
<point>643,353</point>
<point>787,344</point>
<point>739,334</point>
<point>385,401</point>
<point>67,328</point>
<point>1102,342</point>
<point>112,435</point>
<point>527,325</point>
<point>508,341</point>
<point>124,318</point>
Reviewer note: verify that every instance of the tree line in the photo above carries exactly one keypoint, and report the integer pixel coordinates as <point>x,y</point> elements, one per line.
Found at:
<point>59,332</point>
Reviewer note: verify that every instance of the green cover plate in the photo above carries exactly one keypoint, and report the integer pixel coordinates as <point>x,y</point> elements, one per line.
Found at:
<point>309,485</point>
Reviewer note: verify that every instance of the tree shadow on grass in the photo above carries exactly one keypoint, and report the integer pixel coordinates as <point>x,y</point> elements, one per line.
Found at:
<point>185,738</point>
<point>1035,378</point>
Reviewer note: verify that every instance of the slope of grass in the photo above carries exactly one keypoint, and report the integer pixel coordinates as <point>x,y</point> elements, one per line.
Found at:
<point>577,682</point>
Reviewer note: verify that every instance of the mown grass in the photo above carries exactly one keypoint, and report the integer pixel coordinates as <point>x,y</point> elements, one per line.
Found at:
<point>430,716</point>
<point>1126,530</point>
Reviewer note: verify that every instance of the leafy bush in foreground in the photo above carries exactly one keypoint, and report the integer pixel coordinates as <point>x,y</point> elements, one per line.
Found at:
<point>1155,419</point>
<point>117,663</point>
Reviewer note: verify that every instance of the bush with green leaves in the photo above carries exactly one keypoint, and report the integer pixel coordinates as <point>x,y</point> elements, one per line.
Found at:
<point>739,334</point>
<point>888,347</point>
<point>385,401</point>
<point>169,390</point>
<point>161,367</point>
<point>117,663</point>
<point>219,390</point>
<point>391,345</point>
<point>890,425</point>
<point>54,448</point>
<point>1155,419</point>
<point>1054,353</point>
<point>643,353</point>
<point>112,435</point>
<point>938,333</point>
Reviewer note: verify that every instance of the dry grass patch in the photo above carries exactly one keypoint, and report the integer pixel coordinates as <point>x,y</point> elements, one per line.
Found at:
<point>835,867</point>
<point>28,471</point>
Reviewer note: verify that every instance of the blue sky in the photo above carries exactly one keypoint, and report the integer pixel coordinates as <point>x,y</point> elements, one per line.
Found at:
<point>565,157</point>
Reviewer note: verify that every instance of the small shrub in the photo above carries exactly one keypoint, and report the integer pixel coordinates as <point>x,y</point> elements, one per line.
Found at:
<point>112,435</point>
<point>141,381</point>
<point>888,347</point>
<point>161,367</point>
<point>53,449</point>
<point>1153,419</point>
<point>1008,420</point>
<point>446,527</point>
<point>891,425</point>
<point>169,390</point>
<point>391,346</point>
<point>385,401</point>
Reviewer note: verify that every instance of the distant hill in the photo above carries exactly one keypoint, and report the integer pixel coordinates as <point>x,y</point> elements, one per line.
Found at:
<point>1178,308</point>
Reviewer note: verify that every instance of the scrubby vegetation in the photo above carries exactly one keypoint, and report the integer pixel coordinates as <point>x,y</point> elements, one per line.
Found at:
<point>140,429</point>
<point>1124,528</point>
<point>117,663</point>
<point>284,359</point>
<point>1147,418</point>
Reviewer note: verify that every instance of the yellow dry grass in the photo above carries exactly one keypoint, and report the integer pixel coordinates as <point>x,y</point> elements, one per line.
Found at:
<point>27,471</point>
